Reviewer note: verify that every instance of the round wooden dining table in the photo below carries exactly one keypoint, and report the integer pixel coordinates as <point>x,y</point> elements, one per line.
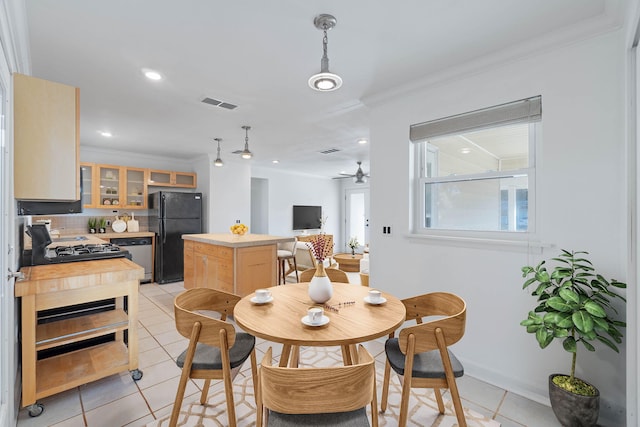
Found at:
<point>351,319</point>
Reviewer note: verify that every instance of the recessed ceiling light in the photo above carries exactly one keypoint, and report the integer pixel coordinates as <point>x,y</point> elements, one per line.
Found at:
<point>362,141</point>
<point>152,75</point>
<point>275,161</point>
<point>465,150</point>
<point>105,133</point>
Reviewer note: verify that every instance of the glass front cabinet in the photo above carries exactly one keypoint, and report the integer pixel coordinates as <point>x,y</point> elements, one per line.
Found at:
<point>111,186</point>
<point>123,187</point>
<point>87,192</point>
<point>135,188</point>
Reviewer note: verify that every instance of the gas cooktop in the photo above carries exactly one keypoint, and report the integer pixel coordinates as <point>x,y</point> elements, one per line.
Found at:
<point>41,253</point>
<point>83,252</point>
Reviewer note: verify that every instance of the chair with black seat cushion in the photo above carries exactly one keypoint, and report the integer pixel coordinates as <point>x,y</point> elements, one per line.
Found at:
<point>333,396</point>
<point>216,350</point>
<point>287,254</point>
<point>420,354</point>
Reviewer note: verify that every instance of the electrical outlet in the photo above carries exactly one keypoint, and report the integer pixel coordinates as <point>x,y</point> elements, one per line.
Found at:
<point>108,223</point>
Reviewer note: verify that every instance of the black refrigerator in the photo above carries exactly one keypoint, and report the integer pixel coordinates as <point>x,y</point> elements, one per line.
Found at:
<point>172,214</point>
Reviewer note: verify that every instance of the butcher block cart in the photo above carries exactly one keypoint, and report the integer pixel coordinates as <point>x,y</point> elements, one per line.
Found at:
<point>74,346</point>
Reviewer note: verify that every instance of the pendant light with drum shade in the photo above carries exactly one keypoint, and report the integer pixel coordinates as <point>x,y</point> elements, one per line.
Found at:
<point>218,161</point>
<point>246,154</point>
<point>325,81</point>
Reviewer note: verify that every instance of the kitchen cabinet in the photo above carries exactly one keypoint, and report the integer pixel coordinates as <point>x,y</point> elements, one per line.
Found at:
<point>109,186</point>
<point>135,188</point>
<point>102,343</point>
<point>46,140</point>
<point>88,179</point>
<point>236,264</point>
<point>162,178</point>
<point>208,266</point>
<point>120,187</point>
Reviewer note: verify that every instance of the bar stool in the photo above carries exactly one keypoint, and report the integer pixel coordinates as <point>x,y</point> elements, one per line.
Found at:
<point>287,252</point>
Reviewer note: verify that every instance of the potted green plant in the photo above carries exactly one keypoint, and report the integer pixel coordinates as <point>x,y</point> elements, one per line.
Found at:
<point>102,225</point>
<point>91,223</point>
<point>574,306</point>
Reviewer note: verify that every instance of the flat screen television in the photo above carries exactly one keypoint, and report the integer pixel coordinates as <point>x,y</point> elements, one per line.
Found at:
<point>307,217</point>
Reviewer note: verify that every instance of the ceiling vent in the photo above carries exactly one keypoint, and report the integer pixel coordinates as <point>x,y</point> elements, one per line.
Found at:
<point>237,152</point>
<point>221,104</point>
<point>330,151</point>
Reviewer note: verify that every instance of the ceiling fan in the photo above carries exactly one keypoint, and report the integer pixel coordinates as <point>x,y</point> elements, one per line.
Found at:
<point>359,177</point>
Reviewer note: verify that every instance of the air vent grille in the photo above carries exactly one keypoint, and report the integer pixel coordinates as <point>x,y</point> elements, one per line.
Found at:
<point>221,104</point>
<point>330,151</point>
<point>237,152</point>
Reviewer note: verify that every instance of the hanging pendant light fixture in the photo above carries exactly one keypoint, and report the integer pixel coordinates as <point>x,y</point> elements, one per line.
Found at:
<point>325,81</point>
<point>246,154</point>
<point>218,161</point>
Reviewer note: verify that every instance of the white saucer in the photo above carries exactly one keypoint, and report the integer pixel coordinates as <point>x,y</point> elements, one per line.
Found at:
<point>381,301</point>
<point>255,300</point>
<point>323,321</point>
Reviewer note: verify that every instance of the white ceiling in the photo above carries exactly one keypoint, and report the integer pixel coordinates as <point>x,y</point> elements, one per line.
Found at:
<point>259,55</point>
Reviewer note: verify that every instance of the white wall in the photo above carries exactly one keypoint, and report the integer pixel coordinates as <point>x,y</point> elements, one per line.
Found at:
<point>287,189</point>
<point>230,195</point>
<point>581,205</point>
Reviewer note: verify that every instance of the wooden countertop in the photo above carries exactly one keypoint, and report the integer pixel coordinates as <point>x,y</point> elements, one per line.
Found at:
<point>236,241</point>
<point>114,235</point>
<point>41,279</point>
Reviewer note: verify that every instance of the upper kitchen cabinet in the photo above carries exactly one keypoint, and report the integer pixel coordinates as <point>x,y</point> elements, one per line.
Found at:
<point>160,178</point>
<point>119,187</point>
<point>135,188</point>
<point>46,140</point>
<point>109,186</point>
<point>88,178</point>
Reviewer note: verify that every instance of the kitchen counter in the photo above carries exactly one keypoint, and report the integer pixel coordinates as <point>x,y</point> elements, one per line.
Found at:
<point>236,241</point>
<point>231,263</point>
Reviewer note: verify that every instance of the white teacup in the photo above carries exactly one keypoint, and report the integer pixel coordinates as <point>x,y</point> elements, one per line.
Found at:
<point>375,295</point>
<point>263,294</point>
<point>315,314</point>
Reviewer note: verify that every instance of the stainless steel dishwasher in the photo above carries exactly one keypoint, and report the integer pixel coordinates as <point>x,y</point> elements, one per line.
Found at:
<point>141,253</point>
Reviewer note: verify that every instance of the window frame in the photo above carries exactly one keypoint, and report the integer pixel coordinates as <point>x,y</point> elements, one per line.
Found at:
<point>419,180</point>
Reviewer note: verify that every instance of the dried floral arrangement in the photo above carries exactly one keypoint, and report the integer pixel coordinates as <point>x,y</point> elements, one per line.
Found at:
<point>320,246</point>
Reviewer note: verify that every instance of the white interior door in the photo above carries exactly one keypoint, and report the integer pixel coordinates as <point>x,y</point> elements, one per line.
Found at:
<point>356,217</point>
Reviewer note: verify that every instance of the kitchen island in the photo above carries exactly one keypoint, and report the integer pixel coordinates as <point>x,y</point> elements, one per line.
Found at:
<point>231,263</point>
<point>82,347</point>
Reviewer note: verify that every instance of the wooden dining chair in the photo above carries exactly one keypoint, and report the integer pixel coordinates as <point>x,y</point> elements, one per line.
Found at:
<point>334,396</point>
<point>420,355</point>
<point>216,351</point>
<point>334,275</point>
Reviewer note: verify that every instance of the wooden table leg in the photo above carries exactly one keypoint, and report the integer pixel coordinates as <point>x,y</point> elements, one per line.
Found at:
<point>346,355</point>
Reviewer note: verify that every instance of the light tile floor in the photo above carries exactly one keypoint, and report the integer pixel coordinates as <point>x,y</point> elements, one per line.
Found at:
<point>119,401</point>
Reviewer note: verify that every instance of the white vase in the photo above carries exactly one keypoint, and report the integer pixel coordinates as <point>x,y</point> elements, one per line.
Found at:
<point>320,288</point>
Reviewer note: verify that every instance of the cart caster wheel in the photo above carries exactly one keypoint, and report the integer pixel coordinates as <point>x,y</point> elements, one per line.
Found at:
<point>136,374</point>
<point>36,409</point>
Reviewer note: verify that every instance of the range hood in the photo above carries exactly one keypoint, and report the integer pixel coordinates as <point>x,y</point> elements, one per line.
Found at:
<point>26,207</point>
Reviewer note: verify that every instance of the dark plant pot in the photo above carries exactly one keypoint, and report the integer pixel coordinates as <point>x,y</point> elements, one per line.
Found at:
<point>573,410</point>
<point>92,230</point>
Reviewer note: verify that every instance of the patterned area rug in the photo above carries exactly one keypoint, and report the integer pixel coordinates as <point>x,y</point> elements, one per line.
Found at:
<point>423,409</point>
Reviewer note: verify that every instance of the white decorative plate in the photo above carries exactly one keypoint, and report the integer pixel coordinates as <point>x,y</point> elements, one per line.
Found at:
<point>255,300</point>
<point>323,321</point>
<point>382,300</point>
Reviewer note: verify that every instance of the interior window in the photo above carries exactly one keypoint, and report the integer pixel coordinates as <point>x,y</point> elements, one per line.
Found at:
<point>475,171</point>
